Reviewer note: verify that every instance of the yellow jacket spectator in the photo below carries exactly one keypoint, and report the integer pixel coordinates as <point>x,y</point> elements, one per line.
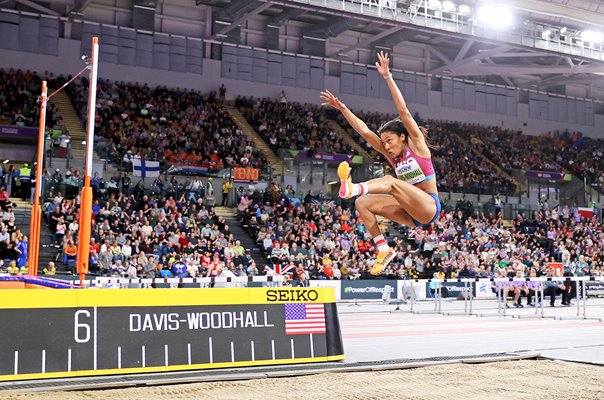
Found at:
<point>12,268</point>
<point>226,189</point>
<point>50,269</point>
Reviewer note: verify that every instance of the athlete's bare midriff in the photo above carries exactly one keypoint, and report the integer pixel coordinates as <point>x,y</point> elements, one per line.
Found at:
<point>428,186</point>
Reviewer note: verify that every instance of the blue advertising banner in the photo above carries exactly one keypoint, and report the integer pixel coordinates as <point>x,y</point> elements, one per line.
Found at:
<point>20,132</point>
<point>554,176</point>
<point>449,289</point>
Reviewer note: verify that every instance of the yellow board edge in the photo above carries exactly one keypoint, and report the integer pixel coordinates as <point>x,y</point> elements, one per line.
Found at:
<point>64,298</point>
<point>66,374</point>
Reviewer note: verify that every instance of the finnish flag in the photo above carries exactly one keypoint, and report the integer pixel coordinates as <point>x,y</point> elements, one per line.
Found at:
<point>145,168</point>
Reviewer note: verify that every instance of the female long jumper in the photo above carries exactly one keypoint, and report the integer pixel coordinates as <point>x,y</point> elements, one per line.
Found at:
<point>412,197</point>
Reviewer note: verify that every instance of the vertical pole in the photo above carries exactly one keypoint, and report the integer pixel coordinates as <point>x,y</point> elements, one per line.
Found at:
<point>83,258</point>
<point>471,296</point>
<point>542,299</point>
<point>499,295</point>
<point>578,296</point>
<point>36,212</point>
<point>440,297</point>
<point>465,297</point>
<point>412,297</point>
<point>584,297</point>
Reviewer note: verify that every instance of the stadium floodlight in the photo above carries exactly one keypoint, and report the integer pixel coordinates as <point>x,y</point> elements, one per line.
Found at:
<point>496,17</point>
<point>546,34</point>
<point>563,30</point>
<point>435,4</point>
<point>464,9</point>
<point>5,161</point>
<point>592,36</point>
<point>448,6</point>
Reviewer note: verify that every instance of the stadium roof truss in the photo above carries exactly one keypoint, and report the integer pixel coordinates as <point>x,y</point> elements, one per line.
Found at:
<point>545,46</point>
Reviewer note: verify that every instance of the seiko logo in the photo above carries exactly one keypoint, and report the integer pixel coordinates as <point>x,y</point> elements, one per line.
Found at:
<point>292,295</point>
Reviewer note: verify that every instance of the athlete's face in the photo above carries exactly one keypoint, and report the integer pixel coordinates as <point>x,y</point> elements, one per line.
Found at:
<point>393,143</point>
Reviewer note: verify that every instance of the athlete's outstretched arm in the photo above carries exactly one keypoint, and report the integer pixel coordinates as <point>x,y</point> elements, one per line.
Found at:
<point>383,67</point>
<point>357,124</point>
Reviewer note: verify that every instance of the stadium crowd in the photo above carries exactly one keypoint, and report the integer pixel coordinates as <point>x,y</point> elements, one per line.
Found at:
<point>173,230</point>
<point>178,126</point>
<point>151,235</point>
<point>556,151</point>
<point>14,245</point>
<point>287,125</point>
<point>318,239</point>
<point>19,91</point>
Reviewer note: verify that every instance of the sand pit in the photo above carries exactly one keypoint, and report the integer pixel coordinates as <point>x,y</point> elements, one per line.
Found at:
<point>528,379</point>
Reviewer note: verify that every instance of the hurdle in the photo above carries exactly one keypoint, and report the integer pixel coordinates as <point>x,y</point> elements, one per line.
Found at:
<point>469,308</point>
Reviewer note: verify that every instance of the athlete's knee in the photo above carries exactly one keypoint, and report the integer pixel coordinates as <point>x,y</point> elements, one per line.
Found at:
<point>390,180</point>
<point>361,203</point>
<point>396,185</point>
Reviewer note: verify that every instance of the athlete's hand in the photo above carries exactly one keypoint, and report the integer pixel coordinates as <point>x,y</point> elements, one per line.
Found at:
<point>383,64</point>
<point>331,100</point>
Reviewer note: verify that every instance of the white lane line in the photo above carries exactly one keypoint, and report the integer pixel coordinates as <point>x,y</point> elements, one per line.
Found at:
<point>211,352</point>
<point>94,351</point>
<point>43,361</point>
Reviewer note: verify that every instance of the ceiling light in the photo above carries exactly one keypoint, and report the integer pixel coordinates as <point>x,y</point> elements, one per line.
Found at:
<point>5,161</point>
<point>464,9</point>
<point>563,30</point>
<point>435,4</point>
<point>448,6</point>
<point>496,17</point>
<point>592,36</point>
<point>546,33</point>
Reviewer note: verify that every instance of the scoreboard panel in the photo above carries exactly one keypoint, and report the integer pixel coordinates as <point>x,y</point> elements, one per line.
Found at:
<point>62,333</point>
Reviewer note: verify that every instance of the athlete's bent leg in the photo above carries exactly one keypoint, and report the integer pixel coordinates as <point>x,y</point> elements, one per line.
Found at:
<point>387,206</point>
<point>417,203</point>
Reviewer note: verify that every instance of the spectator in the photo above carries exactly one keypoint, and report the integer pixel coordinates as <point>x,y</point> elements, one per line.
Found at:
<point>50,269</point>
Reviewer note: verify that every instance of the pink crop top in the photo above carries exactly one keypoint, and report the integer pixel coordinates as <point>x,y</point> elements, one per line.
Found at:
<point>412,168</point>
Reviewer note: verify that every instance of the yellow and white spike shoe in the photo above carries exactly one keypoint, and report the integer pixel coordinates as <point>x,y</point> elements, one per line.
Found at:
<point>383,259</point>
<point>345,180</point>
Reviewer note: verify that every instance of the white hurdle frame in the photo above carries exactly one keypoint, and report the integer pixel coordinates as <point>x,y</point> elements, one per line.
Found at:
<point>581,297</point>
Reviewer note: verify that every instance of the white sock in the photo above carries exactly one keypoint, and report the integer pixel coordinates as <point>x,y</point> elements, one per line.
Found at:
<point>359,189</point>
<point>381,243</point>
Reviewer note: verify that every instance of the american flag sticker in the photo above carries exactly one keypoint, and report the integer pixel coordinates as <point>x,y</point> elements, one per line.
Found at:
<point>303,319</point>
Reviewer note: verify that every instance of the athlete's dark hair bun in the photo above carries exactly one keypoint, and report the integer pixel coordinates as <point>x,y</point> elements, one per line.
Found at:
<point>395,125</point>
